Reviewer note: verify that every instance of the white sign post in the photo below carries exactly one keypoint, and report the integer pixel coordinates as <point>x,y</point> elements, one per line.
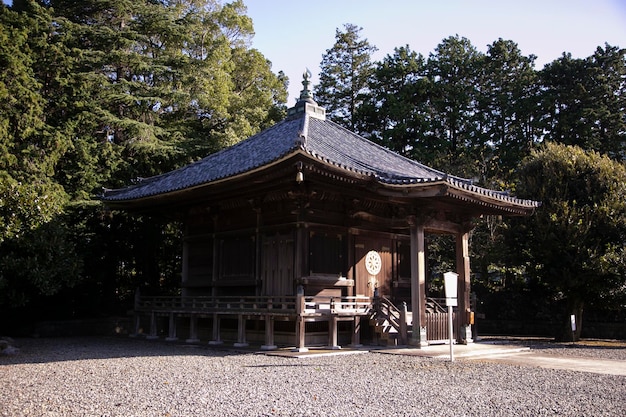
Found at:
<point>450,280</point>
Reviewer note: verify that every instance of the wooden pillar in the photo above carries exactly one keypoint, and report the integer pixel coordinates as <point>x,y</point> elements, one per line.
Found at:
<point>217,337</point>
<point>418,282</point>
<point>300,324</point>
<point>153,326</point>
<point>403,326</point>
<point>136,324</point>
<point>136,315</point>
<point>185,269</point>
<point>332,333</point>
<point>241,331</point>
<point>258,253</point>
<point>463,287</point>
<point>356,332</point>
<point>193,329</point>
<point>269,333</point>
<point>172,328</point>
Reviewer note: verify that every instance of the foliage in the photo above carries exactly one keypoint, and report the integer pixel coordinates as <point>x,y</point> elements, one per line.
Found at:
<point>99,92</point>
<point>396,113</point>
<point>575,245</point>
<point>584,101</point>
<point>346,71</point>
<point>94,94</point>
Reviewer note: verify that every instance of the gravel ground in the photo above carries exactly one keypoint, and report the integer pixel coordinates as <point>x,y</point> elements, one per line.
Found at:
<point>128,377</point>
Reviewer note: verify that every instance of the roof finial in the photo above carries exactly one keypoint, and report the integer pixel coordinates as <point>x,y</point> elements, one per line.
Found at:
<point>305,94</point>
<point>305,103</point>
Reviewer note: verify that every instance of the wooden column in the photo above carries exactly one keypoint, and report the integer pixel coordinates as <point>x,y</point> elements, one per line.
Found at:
<point>185,269</point>
<point>241,331</point>
<point>418,282</point>
<point>153,326</point>
<point>463,287</point>
<point>193,329</point>
<point>269,333</point>
<point>300,324</point>
<point>356,332</point>
<point>172,328</point>
<point>332,332</point>
<point>217,338</point>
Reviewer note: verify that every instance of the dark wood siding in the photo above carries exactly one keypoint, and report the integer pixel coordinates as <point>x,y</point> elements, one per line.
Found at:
<point>277,264</point>
<point>200,266</point>
<point>327,254</point>
<point>364,281</point>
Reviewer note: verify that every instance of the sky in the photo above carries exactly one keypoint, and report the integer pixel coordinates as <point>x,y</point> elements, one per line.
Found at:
<point>294,34</point>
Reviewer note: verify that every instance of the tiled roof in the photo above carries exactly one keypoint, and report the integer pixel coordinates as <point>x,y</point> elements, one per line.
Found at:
<point>261,149</point>
<point>320,138</point>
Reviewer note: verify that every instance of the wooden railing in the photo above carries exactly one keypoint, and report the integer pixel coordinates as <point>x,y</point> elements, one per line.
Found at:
<point>395,317</point>
<point>437,326</point>
<point>336,305</point>
<point>436,305</point>
<point>288,305</point>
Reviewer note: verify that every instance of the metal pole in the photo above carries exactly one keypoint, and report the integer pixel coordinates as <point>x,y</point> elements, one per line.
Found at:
<point>450,331</point>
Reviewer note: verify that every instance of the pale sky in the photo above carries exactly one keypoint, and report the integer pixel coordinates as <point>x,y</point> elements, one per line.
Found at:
<point>294,34</point>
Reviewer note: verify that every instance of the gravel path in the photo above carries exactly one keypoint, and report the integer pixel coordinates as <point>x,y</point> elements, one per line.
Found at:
<point>127,377</point>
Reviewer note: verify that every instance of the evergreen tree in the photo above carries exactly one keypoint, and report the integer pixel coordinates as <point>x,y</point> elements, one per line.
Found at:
<point>508,110</point>
<point>346,71</point>
<point>574,245</point>
<point>584,101</point>
<point>396,113</point>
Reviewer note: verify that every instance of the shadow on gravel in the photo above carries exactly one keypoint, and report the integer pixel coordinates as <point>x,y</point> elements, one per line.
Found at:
<point>539,343</point>
<point>46,350</point>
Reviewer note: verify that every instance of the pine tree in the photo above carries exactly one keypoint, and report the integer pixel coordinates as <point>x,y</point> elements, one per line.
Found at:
<point>346,71</point>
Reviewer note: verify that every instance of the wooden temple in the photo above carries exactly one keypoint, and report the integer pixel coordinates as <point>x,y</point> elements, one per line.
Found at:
<point>308,234</point>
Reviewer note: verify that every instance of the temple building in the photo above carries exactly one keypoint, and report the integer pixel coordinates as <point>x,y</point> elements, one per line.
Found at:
<point>308,234</point>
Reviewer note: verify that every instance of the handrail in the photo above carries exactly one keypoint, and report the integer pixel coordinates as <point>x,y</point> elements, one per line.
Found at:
<point>396,317</point>
<point>255,304</point>
<point>437,304</point>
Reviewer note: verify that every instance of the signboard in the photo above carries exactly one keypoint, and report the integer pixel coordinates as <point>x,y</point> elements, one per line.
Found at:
<point>450,280</point>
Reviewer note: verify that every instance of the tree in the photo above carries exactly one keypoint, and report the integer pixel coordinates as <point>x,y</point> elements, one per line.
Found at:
<point>575,244</point>
<point>507,109</point>
<point>346,71</point>
<point>584,101</point>
<point>397,110</point>
<point>99,92</point>
<point>453,70</point>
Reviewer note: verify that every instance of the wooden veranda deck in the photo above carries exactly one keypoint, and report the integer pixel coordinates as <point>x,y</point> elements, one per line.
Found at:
<point>298,309</point>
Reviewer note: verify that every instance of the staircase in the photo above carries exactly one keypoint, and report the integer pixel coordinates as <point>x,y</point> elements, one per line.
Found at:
<point>391,324</point>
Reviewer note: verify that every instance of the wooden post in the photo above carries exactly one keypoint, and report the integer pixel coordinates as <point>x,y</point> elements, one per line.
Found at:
<point>404,334</point>
<point>332,333</point>
<point>153,327</point>
<point>193,329</point>
<point>217,339</point>
<point>172,328</point>
<point>356,332</point>
<point>185,269</point>
<point>418,282</point>
<point>300,324</point>
<point>463,287</point>
<point>269,333</point>
<point>241,331</point>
